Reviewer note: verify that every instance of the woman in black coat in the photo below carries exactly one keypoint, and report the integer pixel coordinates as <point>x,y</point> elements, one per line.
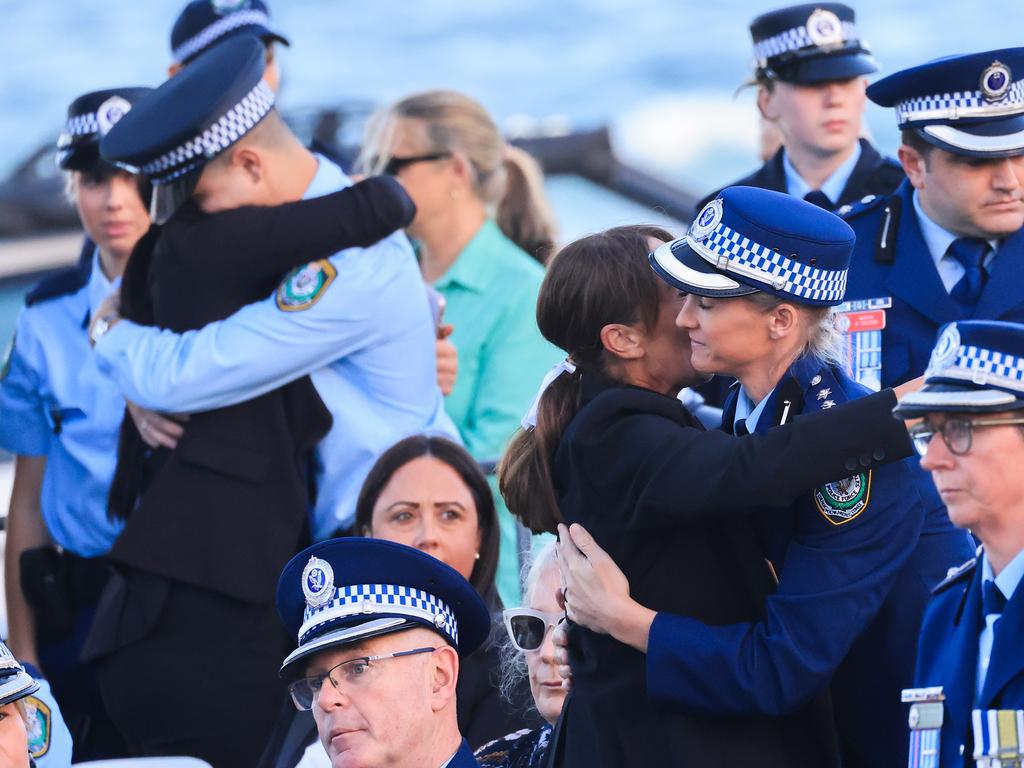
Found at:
<point>614,449</point>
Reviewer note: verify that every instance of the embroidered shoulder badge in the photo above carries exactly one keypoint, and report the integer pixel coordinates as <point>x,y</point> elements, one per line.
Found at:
<point>303,287</point>
<point>842,501</point>
<point>38,727</point>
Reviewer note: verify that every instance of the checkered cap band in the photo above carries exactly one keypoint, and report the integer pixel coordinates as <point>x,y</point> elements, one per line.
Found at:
<point>794,40</point>
<point>82,125</point>
<point>222,134</point>
<point>369,599</point>
<point>983,366</point>
<point>730,251</point>
<point>950,106</point>
<point>218,29</point>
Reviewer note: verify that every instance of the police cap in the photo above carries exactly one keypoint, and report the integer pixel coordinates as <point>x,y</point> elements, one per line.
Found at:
<point>205,22</point>
<point>343,591</point>
<point>812,43</point>
<point>970,105</point>
<point>15,682</point>
<point>90,118</point>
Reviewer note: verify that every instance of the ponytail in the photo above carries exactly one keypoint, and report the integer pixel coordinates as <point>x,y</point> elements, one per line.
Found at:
<point>523,213</point>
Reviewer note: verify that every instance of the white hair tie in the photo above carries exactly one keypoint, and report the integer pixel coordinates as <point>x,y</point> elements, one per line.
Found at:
<point>566,366</point>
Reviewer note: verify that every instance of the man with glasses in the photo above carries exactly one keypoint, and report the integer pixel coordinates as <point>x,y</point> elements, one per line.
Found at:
<point>971,438</point>
<point>381,628</point>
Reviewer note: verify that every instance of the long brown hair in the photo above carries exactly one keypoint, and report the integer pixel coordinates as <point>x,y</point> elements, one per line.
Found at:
<point>465,466</point>
<point>595,281</point>
<point>506,179</point>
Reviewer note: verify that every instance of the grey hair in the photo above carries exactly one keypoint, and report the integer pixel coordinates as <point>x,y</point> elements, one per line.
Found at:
<point>825,342</point>
<point>512,662</point>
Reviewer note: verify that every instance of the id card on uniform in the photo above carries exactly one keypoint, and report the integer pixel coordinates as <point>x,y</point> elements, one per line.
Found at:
<point>861,322</point>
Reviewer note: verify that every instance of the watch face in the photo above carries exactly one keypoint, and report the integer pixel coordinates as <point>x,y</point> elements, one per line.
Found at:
<point>99,327</point>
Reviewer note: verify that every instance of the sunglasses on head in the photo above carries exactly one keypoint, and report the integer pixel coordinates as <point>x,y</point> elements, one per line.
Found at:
<point>527,627</point>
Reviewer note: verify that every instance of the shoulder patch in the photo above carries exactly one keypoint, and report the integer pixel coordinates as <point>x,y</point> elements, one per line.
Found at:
<point>860,207</point>
<point>956,574</point>
<point>39,727</point>
<point>304,286</point>
<point>842,501</point>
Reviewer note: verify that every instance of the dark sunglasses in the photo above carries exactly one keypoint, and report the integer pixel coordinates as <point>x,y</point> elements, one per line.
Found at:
<point>396,164</point>
<point>527,628</point>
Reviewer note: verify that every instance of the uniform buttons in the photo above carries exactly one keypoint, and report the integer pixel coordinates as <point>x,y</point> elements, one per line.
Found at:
<point>879,454</point>
<point>961,749</point>
<point>851,464</point>
<point>865,460</point>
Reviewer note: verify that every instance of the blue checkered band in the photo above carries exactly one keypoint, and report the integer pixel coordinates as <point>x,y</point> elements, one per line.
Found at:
<point>218,29</point>
<point>794,40</point>
<point>981,367</point>
<point>82,125</point>
<point>369,599</point>
<point>730,251</point>
<point>222,134</point>
<point>958,104</point>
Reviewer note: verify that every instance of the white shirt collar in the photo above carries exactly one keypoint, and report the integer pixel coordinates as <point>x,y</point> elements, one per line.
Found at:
<point>834,184</point>
<point>328,178</point>
<point>1009,578</point>
<point>745,409</point>
<point>938,238</point>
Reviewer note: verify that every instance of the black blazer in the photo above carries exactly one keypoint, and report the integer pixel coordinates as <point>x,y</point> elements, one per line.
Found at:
<point>874,174</point>
<point>226,509</point>
<point>666,498</point>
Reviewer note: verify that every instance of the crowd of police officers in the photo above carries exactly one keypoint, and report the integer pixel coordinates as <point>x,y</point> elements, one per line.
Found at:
<point>157,628</point>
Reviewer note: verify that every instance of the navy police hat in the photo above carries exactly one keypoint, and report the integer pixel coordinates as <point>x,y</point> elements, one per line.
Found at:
<point>90,118</point>
<point>190,119</point>
<point>343,591</point>
<point>15,682</point>
<point>971,105</point>
<point>205,22</point>
<point>810,43</point>
<point>977,366</point>
<point>750,239</point>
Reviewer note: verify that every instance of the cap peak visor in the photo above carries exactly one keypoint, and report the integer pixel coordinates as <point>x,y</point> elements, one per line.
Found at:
<point>822,67</point>
<point>992,139</point>
<point>951,398</point>
<point>682,267</point>
<point>346,635</point>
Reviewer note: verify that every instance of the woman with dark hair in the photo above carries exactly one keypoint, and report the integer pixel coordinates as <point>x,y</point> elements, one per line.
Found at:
<point>429,493</point>
<point>614,449</point>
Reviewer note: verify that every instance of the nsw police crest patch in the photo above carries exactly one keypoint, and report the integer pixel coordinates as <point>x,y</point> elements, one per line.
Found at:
<point>38,728</point>
<point>841,501</point>
<point>303,287</point>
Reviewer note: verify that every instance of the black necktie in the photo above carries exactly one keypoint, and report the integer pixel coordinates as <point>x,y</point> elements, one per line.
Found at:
<point>741,428</point>
<point>819,198</point>
<point>970,252</point>
<point>992,600</point>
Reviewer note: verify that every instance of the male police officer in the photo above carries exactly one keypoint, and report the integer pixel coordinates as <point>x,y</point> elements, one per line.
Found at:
<point>947,245</point>
<point>204,23</point>
<point>60,417</point>
<point>972,441</point>
<point>810,72</point>
<point>381,628</point>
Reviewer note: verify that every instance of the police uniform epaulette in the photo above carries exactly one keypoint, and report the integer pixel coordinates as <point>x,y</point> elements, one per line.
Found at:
<point>61,283</point>
<point>865,204</point>
<point>888,222</point>
<point>956,574</point>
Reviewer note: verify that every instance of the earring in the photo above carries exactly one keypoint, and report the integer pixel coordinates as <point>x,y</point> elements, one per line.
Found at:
<point>477,557</point>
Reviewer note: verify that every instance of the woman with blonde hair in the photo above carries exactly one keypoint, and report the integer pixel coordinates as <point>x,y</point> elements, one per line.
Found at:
<point>483,231</point>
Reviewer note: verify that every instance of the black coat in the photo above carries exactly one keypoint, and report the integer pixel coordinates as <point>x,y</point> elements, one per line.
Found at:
<point>665,499</point>
<point>226,509</point>
<point>874,174</point>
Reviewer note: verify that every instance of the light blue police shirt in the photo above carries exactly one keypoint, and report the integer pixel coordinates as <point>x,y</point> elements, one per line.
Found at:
<point>834,184</point>
<point>367,344</point>
<point>1007,582</point>
<point>49,740</point>
<point>55,402</point>
<point>938,239</point>
<point>745,409</point>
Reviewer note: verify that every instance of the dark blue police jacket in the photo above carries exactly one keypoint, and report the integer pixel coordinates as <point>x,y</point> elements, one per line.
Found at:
<point>463,758</point>
<point>891,260</point>
<point>857,561</point>
<point>948,656</point>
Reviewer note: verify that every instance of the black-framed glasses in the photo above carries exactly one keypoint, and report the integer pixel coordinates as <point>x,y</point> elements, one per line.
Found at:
<point>396,164</point>
<point>352,674</point>
<point>956,433</point>
<point>528,627</point>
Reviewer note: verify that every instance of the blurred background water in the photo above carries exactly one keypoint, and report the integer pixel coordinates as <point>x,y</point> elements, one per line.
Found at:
<point>661,72</point>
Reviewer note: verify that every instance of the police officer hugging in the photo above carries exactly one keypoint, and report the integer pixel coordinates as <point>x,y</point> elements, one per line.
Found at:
<point>857,556</point>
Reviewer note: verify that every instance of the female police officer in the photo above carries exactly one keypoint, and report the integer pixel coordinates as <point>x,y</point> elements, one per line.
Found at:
<point>614,448</point>
<point>60,419</point>
<point>856,556</point>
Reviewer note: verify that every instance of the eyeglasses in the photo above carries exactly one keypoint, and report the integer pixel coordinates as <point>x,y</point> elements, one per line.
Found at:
<point>354,673</point>
<point>528,627</point>
<point>396,164</point>
<point>956,433</point>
